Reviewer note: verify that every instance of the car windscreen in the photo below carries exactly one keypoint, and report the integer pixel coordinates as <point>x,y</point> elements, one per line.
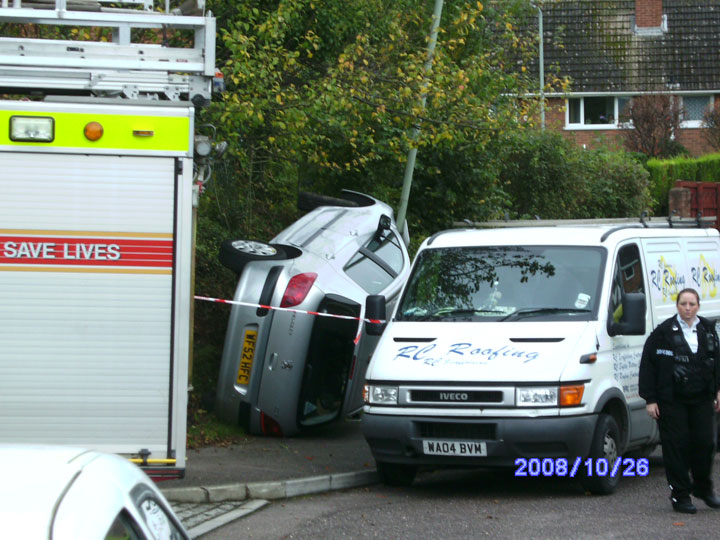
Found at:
<point>504,283</point>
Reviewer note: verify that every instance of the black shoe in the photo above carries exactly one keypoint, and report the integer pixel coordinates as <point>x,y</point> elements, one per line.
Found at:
<point>684,506</point>
<point>710,499</point>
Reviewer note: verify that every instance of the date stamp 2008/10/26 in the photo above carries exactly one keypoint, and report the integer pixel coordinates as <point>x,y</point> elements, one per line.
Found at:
<point>588,467</point>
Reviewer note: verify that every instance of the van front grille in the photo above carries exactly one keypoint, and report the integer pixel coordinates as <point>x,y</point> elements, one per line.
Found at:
<point>461,396</point>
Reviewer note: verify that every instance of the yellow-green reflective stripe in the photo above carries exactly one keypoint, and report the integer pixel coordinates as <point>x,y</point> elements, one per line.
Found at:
<point>170,133</point>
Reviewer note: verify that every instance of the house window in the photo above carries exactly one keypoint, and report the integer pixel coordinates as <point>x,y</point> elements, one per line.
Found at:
<point>594,112</point>
<point>599,110</point>
<point>694,108</point>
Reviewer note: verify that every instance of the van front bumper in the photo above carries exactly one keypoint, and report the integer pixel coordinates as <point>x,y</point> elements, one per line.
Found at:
<point>399,439</point>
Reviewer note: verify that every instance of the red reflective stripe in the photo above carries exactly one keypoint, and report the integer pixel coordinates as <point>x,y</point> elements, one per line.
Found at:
<point>85,251</point>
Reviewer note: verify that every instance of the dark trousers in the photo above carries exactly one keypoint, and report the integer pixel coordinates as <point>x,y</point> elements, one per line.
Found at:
<point>688,444</point>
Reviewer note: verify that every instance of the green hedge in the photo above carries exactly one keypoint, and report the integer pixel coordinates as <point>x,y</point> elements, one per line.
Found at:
<point>549,176</point>
<point>665,172</point>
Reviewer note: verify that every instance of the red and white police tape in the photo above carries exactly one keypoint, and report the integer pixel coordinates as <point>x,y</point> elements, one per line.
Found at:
<point>276,308</point>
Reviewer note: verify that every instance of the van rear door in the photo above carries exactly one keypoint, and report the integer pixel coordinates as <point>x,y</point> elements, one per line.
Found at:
<point>87,259</point>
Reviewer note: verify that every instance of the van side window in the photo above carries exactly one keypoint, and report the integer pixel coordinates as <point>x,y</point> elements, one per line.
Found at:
<point>627,278</point>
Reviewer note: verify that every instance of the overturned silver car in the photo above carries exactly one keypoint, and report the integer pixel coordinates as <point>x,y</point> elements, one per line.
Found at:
<point>282,370</point>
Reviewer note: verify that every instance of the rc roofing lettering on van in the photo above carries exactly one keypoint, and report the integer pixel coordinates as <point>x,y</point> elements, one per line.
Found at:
<point>461,353</point>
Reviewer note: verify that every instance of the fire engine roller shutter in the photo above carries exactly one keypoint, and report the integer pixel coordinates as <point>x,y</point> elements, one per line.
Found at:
<point>85,332</point>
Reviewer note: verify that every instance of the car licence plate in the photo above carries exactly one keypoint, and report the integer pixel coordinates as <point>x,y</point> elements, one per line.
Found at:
<point>248,355</point>
<point>455,448</point>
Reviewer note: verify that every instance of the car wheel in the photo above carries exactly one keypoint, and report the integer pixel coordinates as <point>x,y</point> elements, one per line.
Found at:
<point>396,474</point>
<point>235,254</point>
<point>605,445</point>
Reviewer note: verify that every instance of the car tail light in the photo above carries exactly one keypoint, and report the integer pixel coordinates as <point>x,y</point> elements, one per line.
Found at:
<point>270,426</point>
<point>297,289</point>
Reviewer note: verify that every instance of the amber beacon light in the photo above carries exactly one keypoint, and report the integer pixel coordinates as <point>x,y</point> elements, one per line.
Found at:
<point>93,131</point>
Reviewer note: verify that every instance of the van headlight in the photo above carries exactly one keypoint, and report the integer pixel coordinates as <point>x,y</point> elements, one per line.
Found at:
<point>536,396</point>
<point>380,394</point>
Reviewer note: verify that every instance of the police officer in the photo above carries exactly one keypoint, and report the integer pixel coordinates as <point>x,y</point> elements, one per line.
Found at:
<point>680,382</point>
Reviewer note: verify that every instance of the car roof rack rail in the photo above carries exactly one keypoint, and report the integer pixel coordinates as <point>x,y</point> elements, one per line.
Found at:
<point>93,47</point>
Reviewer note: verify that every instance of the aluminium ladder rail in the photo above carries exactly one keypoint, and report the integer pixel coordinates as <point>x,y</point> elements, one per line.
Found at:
<point>642,221</point>
<point>119,67</point>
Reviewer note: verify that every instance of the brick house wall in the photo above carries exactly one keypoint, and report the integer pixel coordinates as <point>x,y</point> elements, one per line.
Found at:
<point>693,139</point>
<point>626,48</point>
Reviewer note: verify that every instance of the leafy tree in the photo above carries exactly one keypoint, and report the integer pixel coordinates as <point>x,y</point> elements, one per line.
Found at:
<point>548,176</point>
<point>323,95</point>
<point>616,184</point>
<point>711,123</point>
<point>651,124</point>
<point>540,177</point>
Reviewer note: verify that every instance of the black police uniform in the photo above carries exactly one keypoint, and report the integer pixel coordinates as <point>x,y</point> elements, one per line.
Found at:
<point>684,385</point>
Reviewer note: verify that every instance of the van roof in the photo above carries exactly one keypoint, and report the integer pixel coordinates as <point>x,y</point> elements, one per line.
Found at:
<point>575,235</point>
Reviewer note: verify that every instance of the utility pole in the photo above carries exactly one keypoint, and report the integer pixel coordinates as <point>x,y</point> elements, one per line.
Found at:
<point>410,165</point>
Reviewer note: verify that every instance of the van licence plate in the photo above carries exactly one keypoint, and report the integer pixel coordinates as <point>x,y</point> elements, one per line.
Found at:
<point>248,355</point>
<point>455,448</point>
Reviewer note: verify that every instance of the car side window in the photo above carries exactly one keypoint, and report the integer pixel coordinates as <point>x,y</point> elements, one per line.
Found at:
<point>376,265</point>
<point>387,247</point>
<point>627,278</point>
<point>123,528</point>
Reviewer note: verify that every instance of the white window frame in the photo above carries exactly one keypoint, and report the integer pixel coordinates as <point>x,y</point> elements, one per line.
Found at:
<point>591,127</point>
<point>685,124</point>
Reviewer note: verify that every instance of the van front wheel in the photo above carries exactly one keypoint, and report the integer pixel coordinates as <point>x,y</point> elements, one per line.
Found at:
<point>599,480</point>
<point>396,474</point>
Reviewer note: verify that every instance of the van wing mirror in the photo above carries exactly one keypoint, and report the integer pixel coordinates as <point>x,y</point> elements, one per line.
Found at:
<point>375,308</point>
<point>632,322</point>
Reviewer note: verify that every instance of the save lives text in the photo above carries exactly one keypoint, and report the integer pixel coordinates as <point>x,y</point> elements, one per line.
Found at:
<point>67,251</point>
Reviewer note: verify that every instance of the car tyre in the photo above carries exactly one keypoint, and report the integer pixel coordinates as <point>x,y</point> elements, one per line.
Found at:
<point>235,254</point>
<point>396,474</point>
<point>605,444</point>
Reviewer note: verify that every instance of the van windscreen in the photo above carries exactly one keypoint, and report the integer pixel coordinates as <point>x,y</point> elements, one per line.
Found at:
<point>504,283</point>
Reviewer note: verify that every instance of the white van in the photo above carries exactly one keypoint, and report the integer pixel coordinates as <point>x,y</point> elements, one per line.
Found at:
<point>515,347</point>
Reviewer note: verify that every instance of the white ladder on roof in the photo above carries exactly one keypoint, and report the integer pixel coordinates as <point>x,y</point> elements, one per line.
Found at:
<point>102,66</point>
